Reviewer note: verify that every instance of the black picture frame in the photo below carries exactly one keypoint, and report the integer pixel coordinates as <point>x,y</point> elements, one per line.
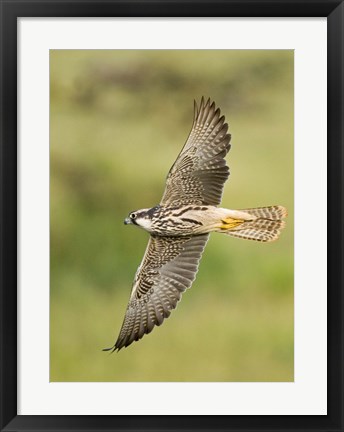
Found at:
<point>13,9</point>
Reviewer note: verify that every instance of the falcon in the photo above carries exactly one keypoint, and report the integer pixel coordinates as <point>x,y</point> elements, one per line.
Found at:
<point>179,226</point>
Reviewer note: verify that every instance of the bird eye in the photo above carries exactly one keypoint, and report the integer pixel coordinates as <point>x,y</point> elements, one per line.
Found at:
<point>132,215</point>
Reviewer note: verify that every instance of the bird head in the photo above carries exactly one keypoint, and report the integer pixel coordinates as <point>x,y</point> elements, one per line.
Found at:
<point>135,217</point>
<point>141,218</point>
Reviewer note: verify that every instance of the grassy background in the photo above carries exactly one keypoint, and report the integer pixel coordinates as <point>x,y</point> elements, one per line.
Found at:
<point>118,121</point>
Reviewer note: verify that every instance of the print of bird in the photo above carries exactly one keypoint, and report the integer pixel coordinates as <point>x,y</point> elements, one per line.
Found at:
<point>179,226</point>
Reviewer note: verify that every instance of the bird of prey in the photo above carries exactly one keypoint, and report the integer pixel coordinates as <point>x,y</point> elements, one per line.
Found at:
<point>179,226</point>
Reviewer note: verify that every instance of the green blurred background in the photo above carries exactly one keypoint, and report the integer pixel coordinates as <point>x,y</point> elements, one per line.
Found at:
<point>118,120</point>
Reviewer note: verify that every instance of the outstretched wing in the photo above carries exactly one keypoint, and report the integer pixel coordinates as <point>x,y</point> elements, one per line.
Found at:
<point>200,171</point>
<point>168,268</point>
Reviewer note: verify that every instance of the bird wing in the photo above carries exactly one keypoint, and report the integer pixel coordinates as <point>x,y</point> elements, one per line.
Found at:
<point>168,268</point>
<point>200,171</point>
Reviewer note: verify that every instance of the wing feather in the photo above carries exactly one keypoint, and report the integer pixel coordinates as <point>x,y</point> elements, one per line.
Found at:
<point>200,171</point>
<point>168,268</point>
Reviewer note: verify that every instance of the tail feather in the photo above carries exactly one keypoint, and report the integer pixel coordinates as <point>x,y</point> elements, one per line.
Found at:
<point>263,230</point>
<point>272,212</point>
<point>265,226</point>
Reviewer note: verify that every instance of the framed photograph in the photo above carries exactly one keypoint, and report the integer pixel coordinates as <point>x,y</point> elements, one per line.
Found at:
<point>202,127</point>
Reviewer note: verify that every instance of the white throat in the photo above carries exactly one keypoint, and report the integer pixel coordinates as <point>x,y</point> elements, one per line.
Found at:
<point>144,223</point>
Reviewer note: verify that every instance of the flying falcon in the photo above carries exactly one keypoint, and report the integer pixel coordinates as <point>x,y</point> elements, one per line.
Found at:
<point>179,226</point>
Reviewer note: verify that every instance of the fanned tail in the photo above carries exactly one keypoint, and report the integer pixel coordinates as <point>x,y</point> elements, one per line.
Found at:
<point>271,213</point>
<point>261,224</point>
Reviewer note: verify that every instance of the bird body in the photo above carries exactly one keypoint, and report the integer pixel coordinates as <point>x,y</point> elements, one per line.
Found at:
<point>180,225</point>
<point>194,219</point>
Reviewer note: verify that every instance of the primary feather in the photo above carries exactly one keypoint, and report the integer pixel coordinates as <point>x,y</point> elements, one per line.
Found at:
<point>200,171</point>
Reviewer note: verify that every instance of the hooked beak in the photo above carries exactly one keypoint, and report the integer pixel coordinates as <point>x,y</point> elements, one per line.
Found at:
<point>127,221</point>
